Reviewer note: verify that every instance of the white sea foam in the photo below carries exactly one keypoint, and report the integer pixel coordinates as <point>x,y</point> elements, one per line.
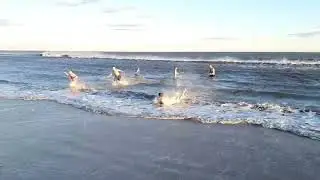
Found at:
<point>86,55</point>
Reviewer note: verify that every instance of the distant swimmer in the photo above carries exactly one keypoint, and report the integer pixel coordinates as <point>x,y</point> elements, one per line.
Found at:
<point>137,73</point>
<point>212,71</point>
<point>175,73</point>
<point>72,76</point>
<point>160,99</point>
<point>117,74</point>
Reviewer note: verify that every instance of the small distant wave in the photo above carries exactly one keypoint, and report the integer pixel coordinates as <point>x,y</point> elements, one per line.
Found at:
<point>308,109</point>
<point>283,61</point>
<point>10,82</point>
<point>150,57</point>
<point>128,94</point>
<point>18,53</point>
<point>253,92</point>
<point>86,55</point>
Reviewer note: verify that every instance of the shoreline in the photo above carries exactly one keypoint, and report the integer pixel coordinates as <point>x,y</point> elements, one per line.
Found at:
<point>191,120</point>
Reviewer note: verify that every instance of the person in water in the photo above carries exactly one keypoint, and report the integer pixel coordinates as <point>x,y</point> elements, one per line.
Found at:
<point>160,98</point>
<point>75,83</point>
<point>212,71</point>
<point>179,96</point>
<point>116,74</point>
<point>137,73</point>
<point>175,72</point>
<point>72,76</point>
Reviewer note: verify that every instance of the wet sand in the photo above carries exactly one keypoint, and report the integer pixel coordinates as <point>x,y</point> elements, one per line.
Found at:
<point>46,140</point>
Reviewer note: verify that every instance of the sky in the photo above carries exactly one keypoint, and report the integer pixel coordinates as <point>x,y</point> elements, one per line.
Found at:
<point>162,25</point>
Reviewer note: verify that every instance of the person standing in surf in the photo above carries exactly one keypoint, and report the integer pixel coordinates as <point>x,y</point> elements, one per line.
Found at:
<point>75,84</point>
<point>116,74</point>
<point>175,74</point>
<point>72,76</point>
<point>137,73</point>
<point>212,71</point>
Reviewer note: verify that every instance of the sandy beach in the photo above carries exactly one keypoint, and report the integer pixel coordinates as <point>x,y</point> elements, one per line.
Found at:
<point>44,140</point>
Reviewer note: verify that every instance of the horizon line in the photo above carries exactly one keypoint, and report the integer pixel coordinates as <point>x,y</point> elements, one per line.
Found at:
<point>3,50</point>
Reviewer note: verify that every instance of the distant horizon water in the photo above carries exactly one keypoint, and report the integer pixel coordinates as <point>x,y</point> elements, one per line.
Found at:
<point>35,50</point>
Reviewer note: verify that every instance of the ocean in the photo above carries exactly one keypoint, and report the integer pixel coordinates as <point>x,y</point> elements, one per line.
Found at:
<point>272,90</point>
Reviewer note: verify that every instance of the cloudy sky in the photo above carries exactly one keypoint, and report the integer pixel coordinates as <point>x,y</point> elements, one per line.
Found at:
<point>160,25</point>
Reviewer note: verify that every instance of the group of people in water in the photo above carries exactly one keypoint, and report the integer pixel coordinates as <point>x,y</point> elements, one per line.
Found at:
<point>118,75</point>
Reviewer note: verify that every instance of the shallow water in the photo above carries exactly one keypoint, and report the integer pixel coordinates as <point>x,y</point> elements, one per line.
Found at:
<point>273,90</point>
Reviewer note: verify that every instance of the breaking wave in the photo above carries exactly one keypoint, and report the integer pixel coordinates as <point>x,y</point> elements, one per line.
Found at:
<point>150,57</point>
<point>301,121</point>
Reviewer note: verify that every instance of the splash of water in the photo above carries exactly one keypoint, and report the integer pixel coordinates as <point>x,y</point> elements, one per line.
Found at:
<point>78,86</point>
<point>173,97</point>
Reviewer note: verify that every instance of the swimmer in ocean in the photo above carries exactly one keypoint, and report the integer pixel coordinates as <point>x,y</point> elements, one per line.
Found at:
<point>160,99</point>
<point>137,73</point>
<point>175,99</point>
<point>74,81</point>
<point>212,71</point>
<point>175,72</point>
<point>116,74</point>
<point>72,76</point>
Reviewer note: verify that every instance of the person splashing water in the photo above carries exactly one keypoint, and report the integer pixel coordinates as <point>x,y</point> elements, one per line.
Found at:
<point>72,76</point>
<point>118,77</point>
<point>212,71</point>
<point>74,81</point>
<point>137,73</point>
<point>172,99</point>
<point>175,74</point>
<point>117,74</point>
<point>138,77</point>
<point>160,99</point>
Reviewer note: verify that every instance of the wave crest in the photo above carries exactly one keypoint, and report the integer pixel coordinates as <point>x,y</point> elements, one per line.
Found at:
<point>150,57</point>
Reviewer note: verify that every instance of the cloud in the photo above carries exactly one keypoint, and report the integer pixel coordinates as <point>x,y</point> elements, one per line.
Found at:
<point>306,34</point>
<point>76,3</point>
<point>125,9</point>
<point>144,17</point>
<point>125,27</point>
<point>117,10</point>
<point>220,39</point>
<point>4,22</point>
